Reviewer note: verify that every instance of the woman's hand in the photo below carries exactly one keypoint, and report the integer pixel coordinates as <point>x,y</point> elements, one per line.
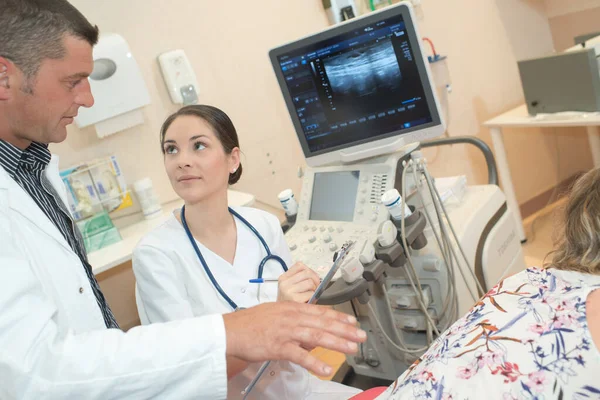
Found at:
<point>297,284</point>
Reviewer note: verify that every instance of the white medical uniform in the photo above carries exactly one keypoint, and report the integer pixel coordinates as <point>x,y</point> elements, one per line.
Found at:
<point>53,340</point>
<point>173,285</point>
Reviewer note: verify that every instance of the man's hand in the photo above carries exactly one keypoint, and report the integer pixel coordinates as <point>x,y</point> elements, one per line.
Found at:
<point>282,331</point>
<point>297,284</point>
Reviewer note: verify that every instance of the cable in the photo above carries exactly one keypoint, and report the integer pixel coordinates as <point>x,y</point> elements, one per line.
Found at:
<point>445,235</point>
<point>449,222</point>
<point>430,45</point>
<point>429,335</point>
<point>386,298</point>
<point>390,341</point>
<point>451,297</point>
<point>431,323</point>
<point>447,247</point>
<point>362,352</point>
<point>409,257</point>
<point>441,205</point>
<point>444,251</point>
<point>389,308</point>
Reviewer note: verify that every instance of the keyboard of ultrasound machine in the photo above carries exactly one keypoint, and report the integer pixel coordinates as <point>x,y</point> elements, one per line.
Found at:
<point>315,242</point>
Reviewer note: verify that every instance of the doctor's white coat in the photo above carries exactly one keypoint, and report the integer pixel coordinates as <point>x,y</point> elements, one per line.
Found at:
<point>53,340</point>
<point>173,285</point>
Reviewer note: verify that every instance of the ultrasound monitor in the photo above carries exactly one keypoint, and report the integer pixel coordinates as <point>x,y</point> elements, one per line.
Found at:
<point>359,89</point>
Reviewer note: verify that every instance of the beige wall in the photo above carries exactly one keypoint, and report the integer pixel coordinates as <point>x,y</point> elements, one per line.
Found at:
<point>566,27</point>
<point>555,8</point>
<point>227,43</point>
<point>483,46</point>
<point>568,19</point>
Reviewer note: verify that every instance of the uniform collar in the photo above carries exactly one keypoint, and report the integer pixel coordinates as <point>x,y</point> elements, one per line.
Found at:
<point>36,156</point>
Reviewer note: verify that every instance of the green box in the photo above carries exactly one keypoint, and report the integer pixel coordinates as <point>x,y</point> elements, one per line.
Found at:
<point>98,231</point>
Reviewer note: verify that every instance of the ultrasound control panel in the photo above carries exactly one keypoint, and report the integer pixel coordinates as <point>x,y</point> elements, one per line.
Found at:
<point>338,204</point>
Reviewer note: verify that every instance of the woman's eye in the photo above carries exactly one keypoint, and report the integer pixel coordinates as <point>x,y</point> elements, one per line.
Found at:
<point>199,146</point>
<point>170,150</point>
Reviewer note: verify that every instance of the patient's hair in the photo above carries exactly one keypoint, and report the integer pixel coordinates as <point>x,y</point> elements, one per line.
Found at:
<point>219,122</point>
<point>578,244</point>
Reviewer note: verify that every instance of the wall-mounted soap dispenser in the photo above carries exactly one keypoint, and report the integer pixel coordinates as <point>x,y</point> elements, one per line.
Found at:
<point>179,77</point>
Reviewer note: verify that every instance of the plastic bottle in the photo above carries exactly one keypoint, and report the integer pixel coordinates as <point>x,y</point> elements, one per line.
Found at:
<point>147,197</point>
<point>394,204</point>
<point>288,201</point>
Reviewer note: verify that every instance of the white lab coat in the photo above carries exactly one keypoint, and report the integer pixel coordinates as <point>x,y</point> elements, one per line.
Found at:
<point>53,340</point>
<point>173,285</point>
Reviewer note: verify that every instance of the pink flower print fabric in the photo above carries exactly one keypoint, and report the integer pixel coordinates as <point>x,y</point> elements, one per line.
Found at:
<point>527,338</point>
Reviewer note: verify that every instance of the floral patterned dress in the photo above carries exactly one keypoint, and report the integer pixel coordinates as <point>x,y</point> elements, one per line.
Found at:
<point>527,338</point>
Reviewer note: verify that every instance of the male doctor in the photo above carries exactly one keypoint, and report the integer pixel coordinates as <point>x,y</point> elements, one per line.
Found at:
<point>58,336</point>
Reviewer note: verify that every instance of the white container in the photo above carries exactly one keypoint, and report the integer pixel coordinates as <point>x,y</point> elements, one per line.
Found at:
<point>394,204</point>
<point>147,197</point>
<point>451,189</point>
<point>288,201</point>
<point>118,87</point>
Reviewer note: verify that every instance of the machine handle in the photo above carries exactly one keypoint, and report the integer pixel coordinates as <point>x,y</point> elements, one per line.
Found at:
<point>480,144</point>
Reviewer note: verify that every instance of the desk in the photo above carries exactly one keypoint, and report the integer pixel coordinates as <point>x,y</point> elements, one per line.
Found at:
<point>519,118</point>
<point>120,252</point>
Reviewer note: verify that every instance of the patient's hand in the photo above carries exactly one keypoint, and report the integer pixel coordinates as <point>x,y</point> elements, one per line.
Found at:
<point>297,284</point>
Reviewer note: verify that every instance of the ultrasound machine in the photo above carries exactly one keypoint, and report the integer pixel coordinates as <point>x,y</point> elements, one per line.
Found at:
<point>362,102</point>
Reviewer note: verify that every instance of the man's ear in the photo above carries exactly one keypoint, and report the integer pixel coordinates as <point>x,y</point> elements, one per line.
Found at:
<point>5,74</point>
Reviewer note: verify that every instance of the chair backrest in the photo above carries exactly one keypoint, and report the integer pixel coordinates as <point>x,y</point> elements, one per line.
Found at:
<point>140,307</point>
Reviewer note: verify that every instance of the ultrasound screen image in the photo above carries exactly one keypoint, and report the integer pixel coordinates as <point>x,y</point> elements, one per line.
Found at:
<point>356,86</point>
<point>365,79</point>
<point>365,72</point>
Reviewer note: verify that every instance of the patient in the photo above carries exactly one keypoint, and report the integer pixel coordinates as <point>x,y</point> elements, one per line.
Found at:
<point>535,335</point>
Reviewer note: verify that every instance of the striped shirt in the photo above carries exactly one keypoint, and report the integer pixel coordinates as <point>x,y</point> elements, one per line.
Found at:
<point>27,168</point>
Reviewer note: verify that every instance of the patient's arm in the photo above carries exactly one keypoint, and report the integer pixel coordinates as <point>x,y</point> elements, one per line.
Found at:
<point>593,316</point>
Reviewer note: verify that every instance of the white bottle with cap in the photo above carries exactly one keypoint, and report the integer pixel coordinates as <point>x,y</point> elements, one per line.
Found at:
<point>148,199</point>
<point>288,201</point>
<point>394,204</point>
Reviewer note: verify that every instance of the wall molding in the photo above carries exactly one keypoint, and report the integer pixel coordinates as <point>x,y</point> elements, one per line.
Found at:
<point>557,8</point>
<point>540,201</point>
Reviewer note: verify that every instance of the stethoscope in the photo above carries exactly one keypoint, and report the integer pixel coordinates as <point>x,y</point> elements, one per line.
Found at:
<point>261,266</point>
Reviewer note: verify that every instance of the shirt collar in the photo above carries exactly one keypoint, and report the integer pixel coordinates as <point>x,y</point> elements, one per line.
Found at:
<point>36,156</point>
